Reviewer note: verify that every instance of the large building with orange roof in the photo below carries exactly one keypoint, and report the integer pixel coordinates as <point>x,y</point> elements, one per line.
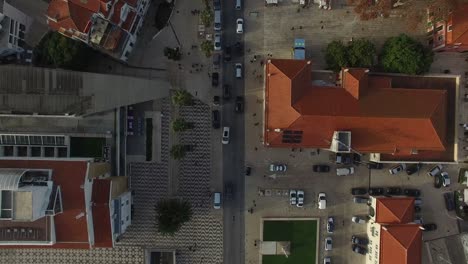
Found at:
<point>67,203</point>
<point>367,113</point>
<point>449,35</point>
<point>110,26</point>
<point>393,236</point>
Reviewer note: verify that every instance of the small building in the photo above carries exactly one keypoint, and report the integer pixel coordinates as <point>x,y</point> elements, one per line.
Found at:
<point>451,34</point>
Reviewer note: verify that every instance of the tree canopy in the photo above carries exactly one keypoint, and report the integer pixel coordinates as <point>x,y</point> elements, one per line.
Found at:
<point>335,56</point>
<point>172,214</point>
<point>358,53</point>
<point>403,54</point>
<point>181,98</point>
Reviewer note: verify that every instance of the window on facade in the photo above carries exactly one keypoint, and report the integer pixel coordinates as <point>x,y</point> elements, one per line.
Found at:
<point>449,28</point>
<point>21,35</point>
<point>10,39</point>
<point>12,26</point>
<point>440,37</point>
<point>22,27</point>
<point>439,28</point>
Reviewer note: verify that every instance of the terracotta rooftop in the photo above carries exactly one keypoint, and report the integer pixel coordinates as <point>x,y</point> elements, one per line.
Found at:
<point>381,119</point>
<point>459,21</point>
<point>394,210</point>
<point>101,213</point>
<point>401,243</point>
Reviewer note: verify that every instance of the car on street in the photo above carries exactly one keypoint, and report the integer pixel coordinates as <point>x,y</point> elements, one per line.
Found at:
<point>215,79</point>
<point>345,171</point>
<point>226,134</point>
<point>348,158</point>
<point>328,243</point>
<point>217,4</point>
<point>322,201</point>
<point>217,200</point>
<point>215,119</point>
<point>358,249</point>
<point>418,202</point>
<point>330,224</point>
<point>238,46</point>
<point>445,179</point>
<point>412,192</point>
<point>429,227</point>
<point>216,100</point>
<point>227,54</point>
<point>278,167</point>
<point>393,191</point>
<point>226,92</point>
<point>417,209</point>
<point>240,26</point>
<point>412,169</point>
<point>247,171</point>
<point>359,219</point>
<point>293,197</point>
<point>449,201</point>
<point>397,169</point>
<point>239,107</point>
<point>320,168</point>
<point>228,190</point>
<point>217,41</point>
<point>418,220</point>
<point>374,166</point>
<point>359,199</point>
<point>435,170</point>
<point>238,69</point>
<point>376,191</point>
<point>326,260</point>
<point>358,191</point>
<point>300,198</point>
<point>359,240</point>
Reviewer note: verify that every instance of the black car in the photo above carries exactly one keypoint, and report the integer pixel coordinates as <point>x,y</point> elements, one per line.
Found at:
<point>412,169</point>
<point>374,166</point>
<point>226,92</point>
<point>358,191</point>
<point>247,171</point>
<point>239,107</point>
<point>217,4</point>
<point>449,201</point>
<point>238,46</point>
<point>359,240</point>
<point>227,54</point>
<point>359,249</point>
<point>393,191</point>
<point>215,79</point>
<point>321,168</point>
<point>376,191</point>
<point>417,209</point>
<point>228,190</point>
<point>216,100</point>
<point>412,192</point>
<point>215,119</point>
<point>429,227</point>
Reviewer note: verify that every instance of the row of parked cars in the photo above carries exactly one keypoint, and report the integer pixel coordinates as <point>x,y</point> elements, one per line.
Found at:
<point>388,191</point>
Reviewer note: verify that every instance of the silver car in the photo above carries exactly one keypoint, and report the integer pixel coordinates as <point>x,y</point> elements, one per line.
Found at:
<point>278,167</point>
<point>217,41</point>
<point>328,243</point>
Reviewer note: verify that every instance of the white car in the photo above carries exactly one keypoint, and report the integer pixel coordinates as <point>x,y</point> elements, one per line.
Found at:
<point>358,219</point>
<point>240,26</point>
<point>435,170</point>
<point>344,171</point>
<point>322,201</point>
<point>300,198</point>
<point>217,41</point>
<point>238,70</point>
<point>397,169</point>
<point>226,132</point>
<point>278,167</point>
<point>292,197</point>
<point>328,244</point>
<point>445,179</point>
<point>326,260</point>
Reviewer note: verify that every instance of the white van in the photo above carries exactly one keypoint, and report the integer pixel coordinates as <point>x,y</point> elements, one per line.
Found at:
<point>217,200</point>
<point>238,5</point>
<point>217,20</point>
<point>322,201</point>
<point>344,171</point>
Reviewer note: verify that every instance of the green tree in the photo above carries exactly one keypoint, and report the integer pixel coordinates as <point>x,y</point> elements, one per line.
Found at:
<point>206,17</point>
<point>178,152</point>
<point>181,98</point>
<point>207,47</point>
<point>172,214</point>
<point>361,53</point>
<point>336,56</point>
<point>172,53</point>
<point>56,50</point>
<point>179,125</point>
<point>403,54</point>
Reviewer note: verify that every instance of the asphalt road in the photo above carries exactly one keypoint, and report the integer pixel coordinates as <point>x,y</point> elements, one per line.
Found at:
<point>233,153</point>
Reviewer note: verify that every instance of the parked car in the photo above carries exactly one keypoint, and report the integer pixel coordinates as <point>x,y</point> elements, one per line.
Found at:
<point>240,26</point>
<point>322,201</point>
<point>449,201</point>
<point>445,179</point>
<point>328,243</point>
<point>359,219</point>
<point>417,209</point>
<point>376,191</point>
<point>412,192</point>
<point>239,107</point>
<point>418,202</point>
<point>216,60</point>
<point>238,70</point>
<point>358,249</point>
<point>397,169</point>
<point>217,4</point>
<point>248,171</point>
<point>344,171</point>
<point>359,199</point>
<point>217,41</point>
<point>227,53</point>
<point>331,224</point>
<point>359,240</point>
<point>293,197</point>
<point>412,169</point>
<point>438,181</point>
<point>320,168</point>
<point>418,220</point>
<point>374,166</point>
<point>435,170</point>
<point>215,119</point>
<point>393,191</point>
<point>429,227</point>
<point>226,134</point>
<point>216,100</point>
<point>358,191</point>
<point>278,167</point>
<point>348,158</point>
<point>228,190</point>
<point>215,79</point>
<point>300,198</point>
<point>326,260</point>
<point>226,92</point>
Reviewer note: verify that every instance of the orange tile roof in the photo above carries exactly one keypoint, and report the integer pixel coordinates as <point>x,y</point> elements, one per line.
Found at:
<point>101,213</point>
<point>394,210</point>
<point>459,21</point>
<point>380,119</point>
<point>401,243</point>
<point>72,14</point>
